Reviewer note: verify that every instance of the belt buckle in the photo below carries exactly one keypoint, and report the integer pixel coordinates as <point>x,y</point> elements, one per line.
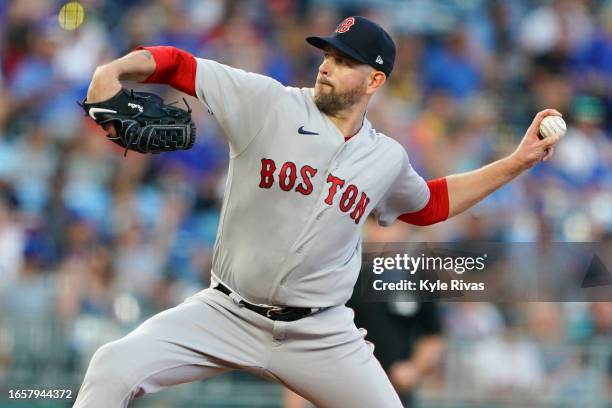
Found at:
<point>274,310</point>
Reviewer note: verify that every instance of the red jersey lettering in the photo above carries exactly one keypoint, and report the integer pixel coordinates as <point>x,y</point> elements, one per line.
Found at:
<point>287,176</point>
<point>267,173</point>
<point>336,182</point>
<point>348,198</point>
<point>306,186</point>
<point>360,208</point>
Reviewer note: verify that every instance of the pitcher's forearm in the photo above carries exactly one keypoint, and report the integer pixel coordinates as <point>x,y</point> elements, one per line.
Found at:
<point>135,66</point>
<point>467,189</point>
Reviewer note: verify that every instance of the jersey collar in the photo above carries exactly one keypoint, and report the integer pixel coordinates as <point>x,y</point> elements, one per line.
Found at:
<point>361,134</point>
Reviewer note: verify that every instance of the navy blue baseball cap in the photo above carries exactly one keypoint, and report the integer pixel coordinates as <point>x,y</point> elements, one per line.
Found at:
<point>362,40</point>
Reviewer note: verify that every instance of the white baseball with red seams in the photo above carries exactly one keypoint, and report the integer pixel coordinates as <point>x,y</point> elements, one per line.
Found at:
<point>551,126</point>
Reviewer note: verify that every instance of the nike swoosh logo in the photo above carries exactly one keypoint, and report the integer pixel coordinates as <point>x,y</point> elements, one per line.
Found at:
<point>93,111</point>
<point>301,131</point>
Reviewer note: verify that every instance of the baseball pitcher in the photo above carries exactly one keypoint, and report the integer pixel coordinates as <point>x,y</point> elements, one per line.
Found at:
<point>306,169</point>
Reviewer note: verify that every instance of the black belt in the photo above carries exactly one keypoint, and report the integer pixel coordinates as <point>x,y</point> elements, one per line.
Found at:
<point>280,313</point>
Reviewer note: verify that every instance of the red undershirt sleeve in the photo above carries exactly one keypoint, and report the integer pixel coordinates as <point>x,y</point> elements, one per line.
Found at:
<point>174,67</point>
<point>435,210</point>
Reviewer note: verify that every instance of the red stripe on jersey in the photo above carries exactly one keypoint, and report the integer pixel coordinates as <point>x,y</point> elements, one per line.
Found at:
<point>436,209</point>
<point>174,67</point>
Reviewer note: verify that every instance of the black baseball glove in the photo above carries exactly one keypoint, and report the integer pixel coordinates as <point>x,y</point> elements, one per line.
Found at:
<point>143,122</point>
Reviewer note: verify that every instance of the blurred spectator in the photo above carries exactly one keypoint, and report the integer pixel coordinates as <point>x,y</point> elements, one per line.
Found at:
<point>468,321</point>
<point>552,31</point>
<point>601,319</point>
<point>452,68</point>
<point>84,280</point>
<point>582,158</point>
<point>494,365</point>
<point>12,242</point>
<point>593,60</point>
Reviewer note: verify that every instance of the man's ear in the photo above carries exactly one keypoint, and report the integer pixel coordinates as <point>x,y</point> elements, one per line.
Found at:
<point>375,80</point>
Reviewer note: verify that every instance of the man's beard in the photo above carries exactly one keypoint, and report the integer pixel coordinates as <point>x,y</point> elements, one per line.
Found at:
<point>331,103</point>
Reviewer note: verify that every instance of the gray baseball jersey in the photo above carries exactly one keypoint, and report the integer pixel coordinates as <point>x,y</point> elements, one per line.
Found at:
<point>297,193</point>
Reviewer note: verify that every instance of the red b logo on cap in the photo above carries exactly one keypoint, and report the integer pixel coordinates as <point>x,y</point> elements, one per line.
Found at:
<point>346,25</point>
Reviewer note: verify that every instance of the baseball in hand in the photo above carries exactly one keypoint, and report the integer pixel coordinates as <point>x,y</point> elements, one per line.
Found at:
<point>552,125</point>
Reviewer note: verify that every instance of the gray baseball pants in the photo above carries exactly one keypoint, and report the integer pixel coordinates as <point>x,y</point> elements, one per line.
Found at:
<point>322,357</point>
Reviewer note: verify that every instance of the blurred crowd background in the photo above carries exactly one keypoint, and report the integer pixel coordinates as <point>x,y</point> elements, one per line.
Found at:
<point>92,243</point>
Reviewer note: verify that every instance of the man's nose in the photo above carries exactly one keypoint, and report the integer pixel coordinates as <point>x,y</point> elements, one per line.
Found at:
<point>324,68</point>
